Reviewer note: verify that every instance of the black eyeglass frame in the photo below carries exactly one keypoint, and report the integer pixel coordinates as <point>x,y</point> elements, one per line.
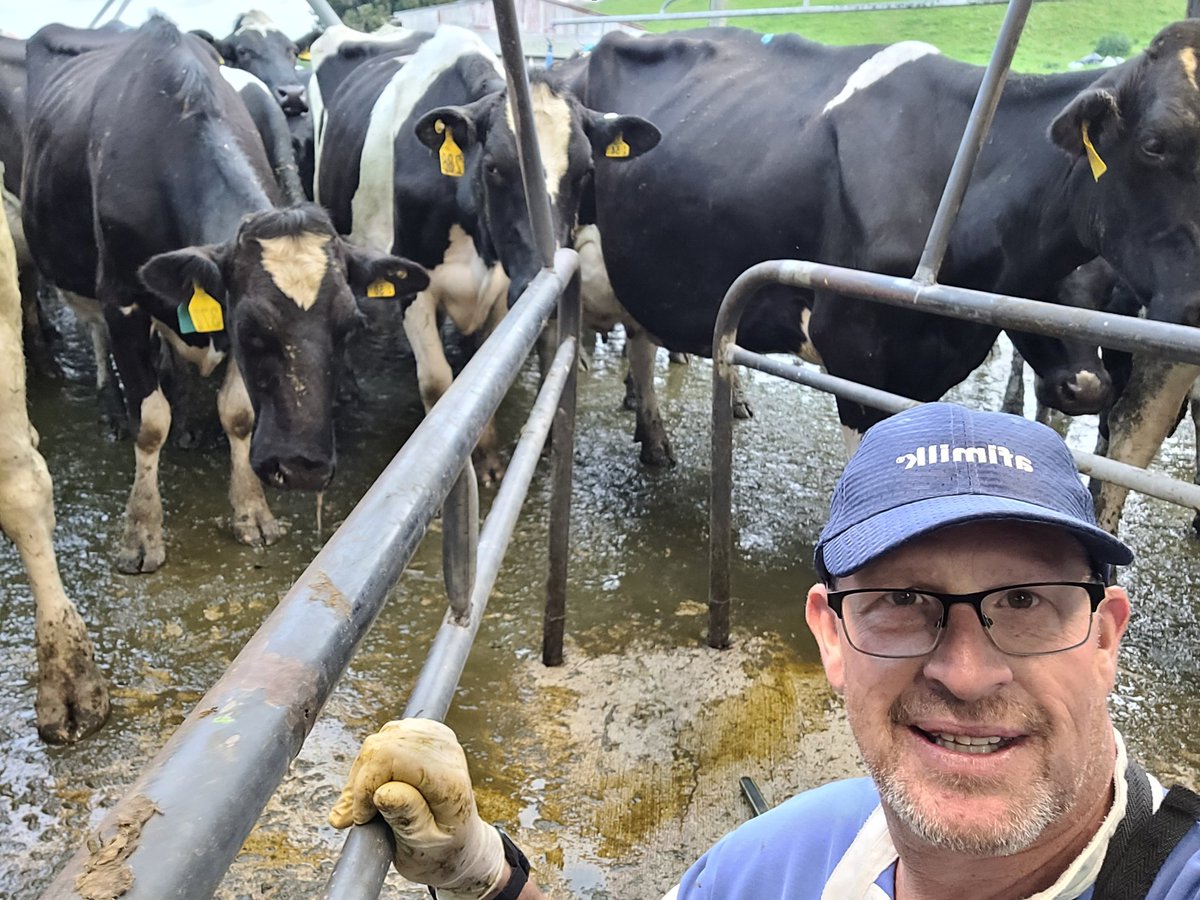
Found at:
<point>1096,593</point>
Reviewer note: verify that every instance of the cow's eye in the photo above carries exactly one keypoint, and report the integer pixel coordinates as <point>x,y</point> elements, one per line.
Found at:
<point>1154,147</point>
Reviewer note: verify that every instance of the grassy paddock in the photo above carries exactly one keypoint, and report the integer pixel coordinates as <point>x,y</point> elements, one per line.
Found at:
<point>1057,32</point>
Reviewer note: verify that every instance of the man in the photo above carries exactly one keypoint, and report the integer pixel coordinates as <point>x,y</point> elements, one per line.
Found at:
<point>967,618</point>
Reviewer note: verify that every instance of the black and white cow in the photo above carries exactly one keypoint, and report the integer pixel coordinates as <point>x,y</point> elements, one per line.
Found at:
<point>419,155</point>
<point>846,164</point>
<point>258,46</point>
<point>146,187</point>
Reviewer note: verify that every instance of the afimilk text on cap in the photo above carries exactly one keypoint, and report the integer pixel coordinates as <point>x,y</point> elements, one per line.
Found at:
<point>941,464</point>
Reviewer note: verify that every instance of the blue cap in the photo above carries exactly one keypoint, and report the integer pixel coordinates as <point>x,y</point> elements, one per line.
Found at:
<point>942,464</point>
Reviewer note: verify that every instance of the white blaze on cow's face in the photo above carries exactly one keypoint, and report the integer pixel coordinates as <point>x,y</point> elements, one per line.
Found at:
<point>879,67</point>
<point>552,120</point>
<point>297,264</point>
<point>1187,57</point>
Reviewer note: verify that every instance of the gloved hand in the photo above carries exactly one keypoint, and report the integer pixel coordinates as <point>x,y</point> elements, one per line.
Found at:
<point>414,773</point>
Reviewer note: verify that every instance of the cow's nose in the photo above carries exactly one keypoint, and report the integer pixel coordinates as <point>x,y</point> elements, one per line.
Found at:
<point>291,98</point>
<point>296,473</point>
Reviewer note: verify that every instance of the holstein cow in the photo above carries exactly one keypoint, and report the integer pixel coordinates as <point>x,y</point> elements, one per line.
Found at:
<point>338,52</point>
<point>828,171</point>
<point>72,696</point>
<point>258,46</point>
<point>421,157</point>
<point>146,187</point>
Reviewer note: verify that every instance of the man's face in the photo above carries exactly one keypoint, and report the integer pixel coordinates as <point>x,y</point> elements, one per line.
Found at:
<point>1054,756</point>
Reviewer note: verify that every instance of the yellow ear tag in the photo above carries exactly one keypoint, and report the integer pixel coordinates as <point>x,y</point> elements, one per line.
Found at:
<point>205,311</point>
<point>1094,160</point>
<point>450,155</point>
<point>381,288</point>
<point>304,56</point>
<point>618,149</point>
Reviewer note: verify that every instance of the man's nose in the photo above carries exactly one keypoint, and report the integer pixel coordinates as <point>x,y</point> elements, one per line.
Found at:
<point>966,662</point>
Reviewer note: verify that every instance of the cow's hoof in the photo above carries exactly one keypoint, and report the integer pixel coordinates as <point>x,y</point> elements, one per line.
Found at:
<point>257,530</point>
<point>72,701</point>
<point>1196,522</point>
<point>657,454</point>
<point>742,410</point>
<point>489,469</point>
<point>141,557</point>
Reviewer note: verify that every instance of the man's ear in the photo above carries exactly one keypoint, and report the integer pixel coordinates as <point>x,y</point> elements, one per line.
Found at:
<point>1097,108</point>
<point>379,275</point>
<point>823,623</point>
<point>1112,618</point>
<point>619,137</point>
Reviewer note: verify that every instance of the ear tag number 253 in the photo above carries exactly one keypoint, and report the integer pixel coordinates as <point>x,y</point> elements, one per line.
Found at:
<point>450,155</point>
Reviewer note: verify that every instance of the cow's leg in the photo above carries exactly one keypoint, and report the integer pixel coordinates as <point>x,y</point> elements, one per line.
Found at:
<point>1139,422</point>
<point>252,519</point>
<point>142,548</point>
<point>37,334</point>
<point>678,358</point>
<point>741,406</point>
<point>1014,391</point>
<point>108,390</point>
<point>1194,399</point>
<point>72,697</point>
<point>649,432</point>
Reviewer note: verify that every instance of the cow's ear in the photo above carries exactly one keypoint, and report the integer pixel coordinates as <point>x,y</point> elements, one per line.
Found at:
<point>458,120</point>
<point>1095,108</point>
<point>619,137</point>
<point>304,42</point>
<point>380,275</point>
<point>173,277</point>
<point>224,50</point>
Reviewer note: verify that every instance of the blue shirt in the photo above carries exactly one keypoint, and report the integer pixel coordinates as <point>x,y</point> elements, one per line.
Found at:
<point>789,852</point>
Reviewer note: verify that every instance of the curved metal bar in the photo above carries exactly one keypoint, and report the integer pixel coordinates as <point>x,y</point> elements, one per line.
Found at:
<point>193,806</point>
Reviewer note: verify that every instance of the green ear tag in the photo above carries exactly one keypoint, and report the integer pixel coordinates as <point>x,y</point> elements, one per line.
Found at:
<point>205,311</point>
<point>186,325</point>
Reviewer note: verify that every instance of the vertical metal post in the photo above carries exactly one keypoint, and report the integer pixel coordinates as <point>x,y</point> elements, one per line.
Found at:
<point>324,12</point>
<point>532,173</point>
<point>460,540</point>
<point>972,141</point>
<point>720,512</point>
<point>562,442</point>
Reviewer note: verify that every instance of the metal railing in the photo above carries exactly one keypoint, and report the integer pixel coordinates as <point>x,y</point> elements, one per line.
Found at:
<point>661,16</point>
<point>181,824</point>
<point>920,293</point>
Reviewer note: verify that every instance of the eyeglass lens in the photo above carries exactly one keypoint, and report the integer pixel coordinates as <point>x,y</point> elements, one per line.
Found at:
<point>1029,619</point>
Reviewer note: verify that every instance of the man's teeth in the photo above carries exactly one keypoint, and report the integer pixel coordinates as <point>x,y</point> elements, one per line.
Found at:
<point>966,744</point>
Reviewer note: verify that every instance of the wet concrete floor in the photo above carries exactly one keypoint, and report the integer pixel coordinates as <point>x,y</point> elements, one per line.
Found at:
<point>614,771</point>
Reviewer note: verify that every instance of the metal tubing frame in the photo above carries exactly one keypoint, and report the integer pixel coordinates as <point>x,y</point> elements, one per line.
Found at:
<point>324,12</point>
<point>562,466</point>
<point>203,792</point>
<point>978,123</point>
<point>368,850</point>
<point>532,173</point>
<point>773,11</point>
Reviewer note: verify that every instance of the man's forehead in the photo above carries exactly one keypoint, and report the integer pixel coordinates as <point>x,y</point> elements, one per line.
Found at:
<point>1010,545</point>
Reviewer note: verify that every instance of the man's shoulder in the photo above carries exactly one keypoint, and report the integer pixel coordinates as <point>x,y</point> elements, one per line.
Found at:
<point>1179,878</point>
<point>788,851</point>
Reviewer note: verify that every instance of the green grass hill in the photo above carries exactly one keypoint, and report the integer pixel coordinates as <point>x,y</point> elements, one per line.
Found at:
<point>1057,31</point>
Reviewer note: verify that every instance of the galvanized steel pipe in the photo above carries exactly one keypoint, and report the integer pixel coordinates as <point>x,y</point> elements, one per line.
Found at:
<point>201,795</point>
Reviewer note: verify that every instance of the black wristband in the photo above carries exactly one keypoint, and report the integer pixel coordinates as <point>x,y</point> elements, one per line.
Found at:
<point>517,862</point>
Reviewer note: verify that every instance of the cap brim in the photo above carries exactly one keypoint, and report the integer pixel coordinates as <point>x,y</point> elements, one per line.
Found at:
<point>862,543</point>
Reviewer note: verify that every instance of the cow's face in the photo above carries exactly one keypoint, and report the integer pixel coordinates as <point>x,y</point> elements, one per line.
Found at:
<point>286,285</point>
<point>570,138</point>
<point>1138,186</point>
<point>264,51</point>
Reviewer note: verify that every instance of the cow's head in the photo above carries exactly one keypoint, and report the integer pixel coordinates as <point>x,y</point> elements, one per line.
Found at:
<point>258,46</point>
<point>1136,188</point>
<point>572,139</point>
<point>286,286</point>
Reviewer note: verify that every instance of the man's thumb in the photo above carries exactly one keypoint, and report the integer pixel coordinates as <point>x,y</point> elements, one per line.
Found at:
<point>404,808</point>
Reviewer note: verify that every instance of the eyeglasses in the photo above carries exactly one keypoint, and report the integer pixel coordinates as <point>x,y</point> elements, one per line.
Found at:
<point>1020,620</point>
